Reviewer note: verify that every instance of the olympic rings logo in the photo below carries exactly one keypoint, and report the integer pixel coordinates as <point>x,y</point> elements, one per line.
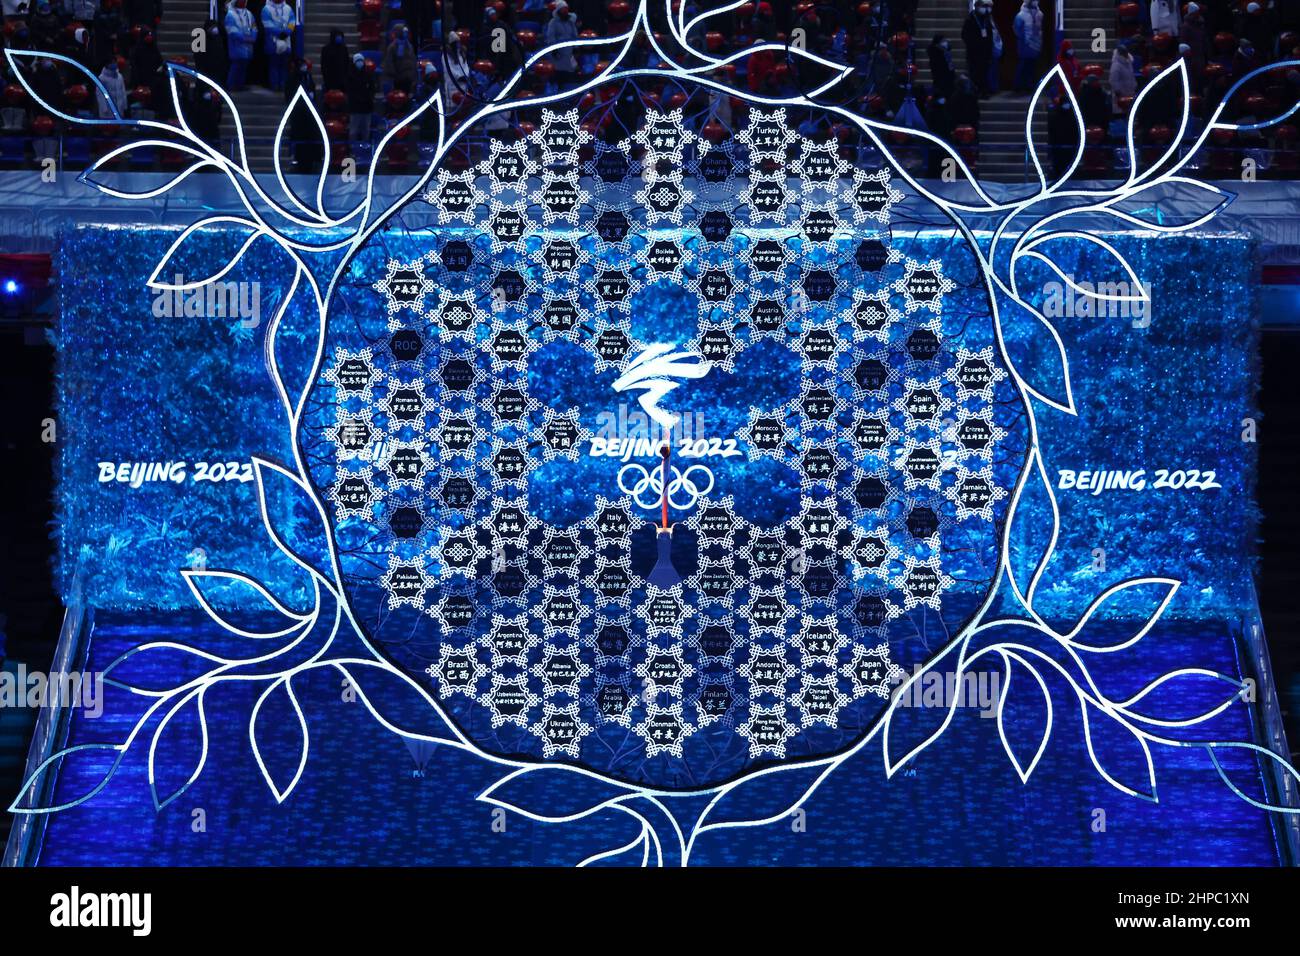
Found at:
<point>681,483</point>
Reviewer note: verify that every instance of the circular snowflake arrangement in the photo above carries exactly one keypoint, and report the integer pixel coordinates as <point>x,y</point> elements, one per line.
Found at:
<point>835,439</point>
<point>856,379</point>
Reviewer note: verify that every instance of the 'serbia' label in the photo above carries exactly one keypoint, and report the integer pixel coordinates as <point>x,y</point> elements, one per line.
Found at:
<point>137,473</point>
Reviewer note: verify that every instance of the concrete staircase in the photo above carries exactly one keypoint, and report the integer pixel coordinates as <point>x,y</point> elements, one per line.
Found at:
<point>939,18</point>
<point>174,31</point>
<point>322,17</point>
<point>260,109</point>
<point>1081,18</point>
<point>1002,117</point>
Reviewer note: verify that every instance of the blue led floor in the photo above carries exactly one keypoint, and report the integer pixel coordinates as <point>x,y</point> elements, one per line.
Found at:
<point>359,802</point>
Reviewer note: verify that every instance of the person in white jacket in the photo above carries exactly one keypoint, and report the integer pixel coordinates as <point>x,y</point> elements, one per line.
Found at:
<point>456,71</point>
<point>278,24</point>
<point>241,36</point>
<point>111,80</point>
<point>1164,17</point>
<point>562,29</point>
<point>1029,45</point>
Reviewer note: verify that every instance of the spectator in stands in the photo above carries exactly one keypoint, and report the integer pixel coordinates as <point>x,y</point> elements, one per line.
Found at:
<point>1062,136</point>
<point>1029,45</point>
<point>160,92</point>
<point>1069,65</point>
<point>487,22</point>
<point>964,104</point>
<point>942,75</point>
<point>104,29</point>
<point>532,10</point>
<point>977,34</point>
<point>15,8</point>
<point>111,80</point>
<point>399,62</point>
<point>455,69</point>
<point>241,34</point>
<point>428,81</point>
<point>994,67</point>
<point>1123,81</point>
<point>1245,58</point>
<point>212,60</point>
<point>938,121</point>
<point>82,10</point>
<point>1164,17</point>
<point>1094,105</point>
<point>47,83</point>
<point>278,24</point>
<point>881,70</point>
<point>299,76</point>
<point>21,38</point>
<point>204,115</point>
<point>562,28</point>
<point>308,151</point>
<point>44,26</point>
<point>361,100</point>
<point>77,46</point>
<point>145,60</point>
<point>334,61</point>
<point>1162,105</point>
<point>1254,25</point>
<point>1192,35</point>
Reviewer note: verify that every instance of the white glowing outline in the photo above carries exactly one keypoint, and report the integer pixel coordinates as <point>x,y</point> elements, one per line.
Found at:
<point>368,221</point>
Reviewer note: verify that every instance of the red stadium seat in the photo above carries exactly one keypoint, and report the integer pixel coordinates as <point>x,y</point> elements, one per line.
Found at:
<point>76,95</point>
<point>397,102</point>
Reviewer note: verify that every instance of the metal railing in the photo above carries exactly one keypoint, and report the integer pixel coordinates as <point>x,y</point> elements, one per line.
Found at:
<point>1270,733</point>
<point>51,732</point>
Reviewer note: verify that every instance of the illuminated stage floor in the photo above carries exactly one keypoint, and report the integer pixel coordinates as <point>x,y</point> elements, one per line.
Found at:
<point>360,803</point>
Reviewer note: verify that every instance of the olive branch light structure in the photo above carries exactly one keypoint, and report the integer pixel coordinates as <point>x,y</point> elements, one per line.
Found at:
<point>319,244</point>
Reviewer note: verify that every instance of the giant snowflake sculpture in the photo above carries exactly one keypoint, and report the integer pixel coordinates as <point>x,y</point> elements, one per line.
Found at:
<point>442,443</point>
